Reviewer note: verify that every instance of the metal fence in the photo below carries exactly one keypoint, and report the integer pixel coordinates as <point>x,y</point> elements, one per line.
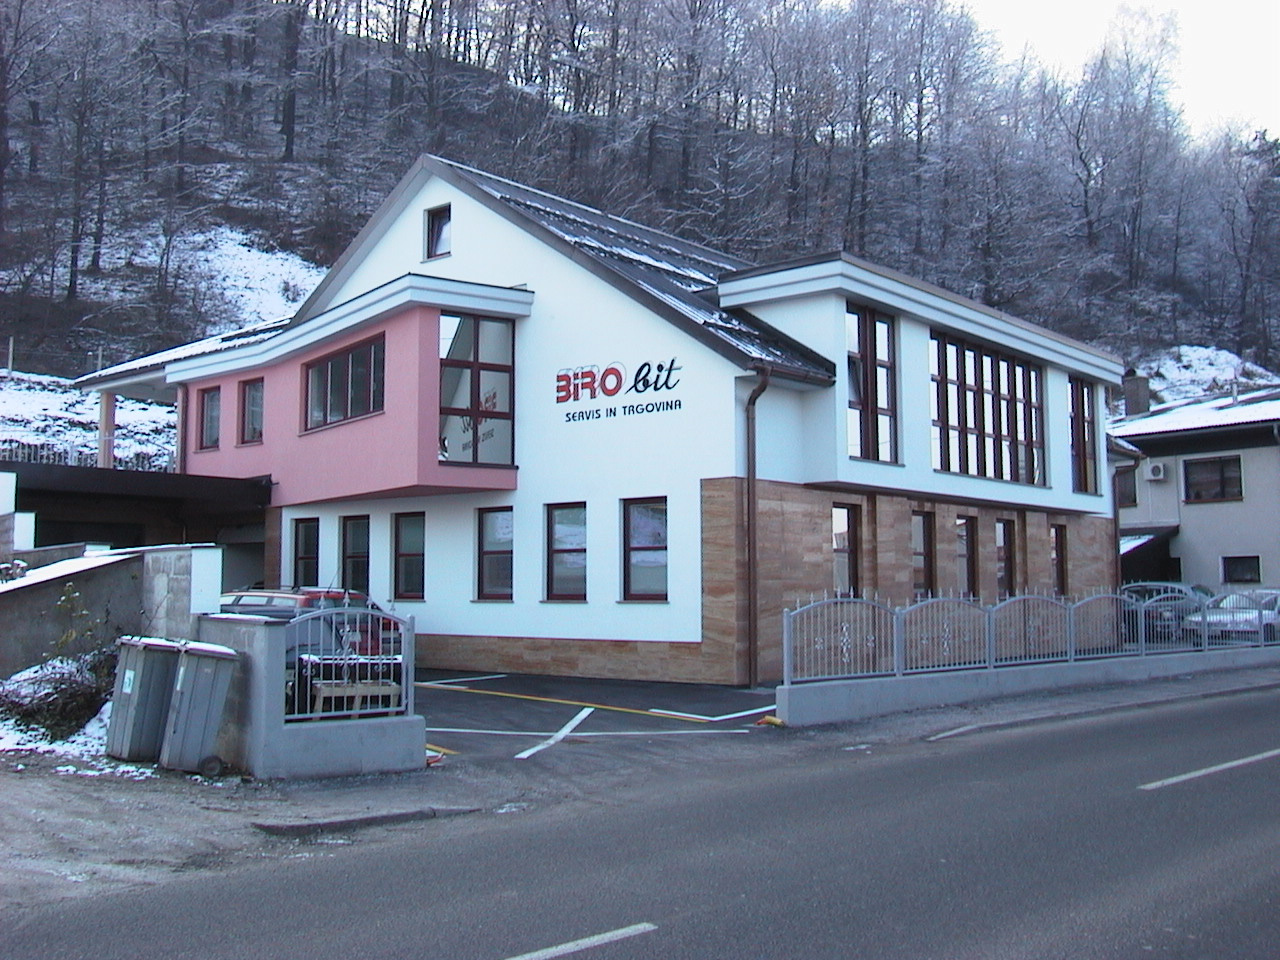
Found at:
<point>848,637</point>
<point>31,447</point>
<point>347,663</point>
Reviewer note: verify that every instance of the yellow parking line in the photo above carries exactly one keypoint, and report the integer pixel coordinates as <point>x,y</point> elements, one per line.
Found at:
<point>568,703</point>
<point>432,747</point>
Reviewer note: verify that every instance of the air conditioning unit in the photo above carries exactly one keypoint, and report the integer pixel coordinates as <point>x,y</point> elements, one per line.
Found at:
<point>1156,471</point>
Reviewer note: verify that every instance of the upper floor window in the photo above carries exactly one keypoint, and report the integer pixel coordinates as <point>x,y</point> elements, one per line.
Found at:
<point>477,420</point>
<point>251,411</point>
<point>438,230</point>
<point>988,412</point>
<point>872,416</point>
<point>644,548</point>
<point>1084,436</point>
<point>567,551</point>
<point>346,384</point>
<point>1214,478</point>
<point>210,417</point>
<point>494,573</point>
<point>1127,487</point>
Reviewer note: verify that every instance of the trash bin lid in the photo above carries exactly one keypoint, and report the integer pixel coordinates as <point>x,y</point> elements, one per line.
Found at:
<point>197,649</point>
<point>152,643</point>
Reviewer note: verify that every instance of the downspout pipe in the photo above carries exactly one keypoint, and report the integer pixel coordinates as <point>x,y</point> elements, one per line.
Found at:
<point>753,549</point>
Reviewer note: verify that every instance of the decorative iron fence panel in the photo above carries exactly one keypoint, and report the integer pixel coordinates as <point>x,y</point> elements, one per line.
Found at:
<point>345,662</point>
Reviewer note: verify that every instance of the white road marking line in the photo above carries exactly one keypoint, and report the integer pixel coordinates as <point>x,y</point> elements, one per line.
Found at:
<point>951,733</point>
<point>558,735</point>
<point>593,733</point>
<point>1206,771</point>
<point>726,716</point>
<point>575,946</point>
<point>487,676</point>
<point>496,733</point>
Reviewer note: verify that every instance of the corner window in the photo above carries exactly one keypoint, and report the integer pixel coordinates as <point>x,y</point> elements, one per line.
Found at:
<point>306,552</point>
<point>355,553</point>
<point>438,232</point>
<point>1127,487</point>
<point>1084,436</point>
<point>871,421</point>
<point>251,411</point>
<point>1241,570</point>
<point>1006,558</point>
<point>477,420</point>
<point>410,556</point>
<point>644,547</point>
<point>1215,478</point>
<point>923,558</point>
<point>846,541</point>
<point>346,384</point>
<point>567,551</point>
<point>210,417</point>
<point>493,579</point>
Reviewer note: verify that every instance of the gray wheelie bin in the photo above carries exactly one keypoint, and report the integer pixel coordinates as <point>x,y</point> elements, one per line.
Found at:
<point>195,713</point>
<point>140,703</point>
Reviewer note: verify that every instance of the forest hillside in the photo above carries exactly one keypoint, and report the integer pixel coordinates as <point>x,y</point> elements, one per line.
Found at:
<point>134,134</point>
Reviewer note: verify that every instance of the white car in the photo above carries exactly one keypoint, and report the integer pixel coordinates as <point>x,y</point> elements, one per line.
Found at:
<point>1237,617</point>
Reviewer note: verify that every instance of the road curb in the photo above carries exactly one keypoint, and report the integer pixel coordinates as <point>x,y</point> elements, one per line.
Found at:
<point>304,828</point>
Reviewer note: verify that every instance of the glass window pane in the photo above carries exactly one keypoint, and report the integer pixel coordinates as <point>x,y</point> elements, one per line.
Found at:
<point>496,442</point>
<point>497,574</point>
<point>495,342</point>
<point>648,573</point>
<point>495,391</point>
<point>569,574</point>
<point>569,528</point>
<point>496,533</point>
<point>647,524</point>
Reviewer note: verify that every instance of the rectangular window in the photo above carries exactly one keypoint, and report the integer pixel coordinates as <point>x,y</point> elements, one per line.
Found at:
<point>967,555</point>
<point>988,412</point>
<point>1006,559</point>
<point>567,551</point>
<point>644,547</point>
<point>251,411</point>
<point>846,541</point>
<point>410,555</point>
<point>438,232</point>
<point>493,579</point>
<point>345,385</point>
<point>210,417</point>
<point>923,556</point>
<point>1217,478</point>
<point>477,420</point>
<point>871,420</point>
<point>1058,557</point>
<point>355,553</point>
<point>306,552</point>
<point>1084,436</point>
<point>1127,487</point>
<point>1241,570</point>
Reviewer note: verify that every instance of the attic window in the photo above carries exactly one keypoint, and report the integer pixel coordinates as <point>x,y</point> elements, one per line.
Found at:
<point>439,233</point>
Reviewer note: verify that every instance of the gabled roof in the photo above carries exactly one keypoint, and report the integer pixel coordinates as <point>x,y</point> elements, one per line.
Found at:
<point>672,277</point>
<point>1258,407</point>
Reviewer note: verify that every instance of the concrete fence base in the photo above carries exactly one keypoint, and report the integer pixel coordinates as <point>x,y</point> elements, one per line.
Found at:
<point>836,701</point>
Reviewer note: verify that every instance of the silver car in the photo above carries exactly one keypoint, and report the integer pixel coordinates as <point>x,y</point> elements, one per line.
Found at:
<point>1250,617</point>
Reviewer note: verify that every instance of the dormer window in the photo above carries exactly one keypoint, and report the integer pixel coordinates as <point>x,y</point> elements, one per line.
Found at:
<point>439,232</point>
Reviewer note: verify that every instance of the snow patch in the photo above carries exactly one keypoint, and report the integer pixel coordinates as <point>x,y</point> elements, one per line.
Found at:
<point>1186,372</point>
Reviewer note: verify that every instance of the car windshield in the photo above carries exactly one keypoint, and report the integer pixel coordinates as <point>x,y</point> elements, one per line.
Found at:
<point>1244,601</point>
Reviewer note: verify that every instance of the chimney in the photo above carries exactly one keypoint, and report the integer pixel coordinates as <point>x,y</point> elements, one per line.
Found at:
<point>1137,394</point>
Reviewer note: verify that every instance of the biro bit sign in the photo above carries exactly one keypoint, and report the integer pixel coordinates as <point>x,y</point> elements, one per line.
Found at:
<point>645,391</point>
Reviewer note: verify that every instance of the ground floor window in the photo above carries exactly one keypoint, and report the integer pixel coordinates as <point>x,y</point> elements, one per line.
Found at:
<point>355,553</point>
<point>495,538</point>
<point>567,551</point>
<point>644,532</point>
<point>846,540</point>
<point>1241,570</point>
<point>306,552</point>
<point>967,555</point>
<point>1006,559</point>
<point>923,557</point>
<point>410,547</point>
<point>1058,557</point>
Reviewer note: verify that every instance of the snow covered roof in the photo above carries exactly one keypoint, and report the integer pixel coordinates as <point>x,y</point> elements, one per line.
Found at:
<point>1250,407</point>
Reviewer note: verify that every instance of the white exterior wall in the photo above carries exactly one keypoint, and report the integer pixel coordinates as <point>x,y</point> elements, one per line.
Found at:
<point>577,321</point>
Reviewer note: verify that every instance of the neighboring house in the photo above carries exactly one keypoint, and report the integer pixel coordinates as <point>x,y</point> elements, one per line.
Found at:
<point>567,443</point>
<point>1201,505</point>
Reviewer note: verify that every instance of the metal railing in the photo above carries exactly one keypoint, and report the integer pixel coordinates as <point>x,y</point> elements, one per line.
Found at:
<point>31,447</point>
<point>346,662</point>
<point>846,637</point>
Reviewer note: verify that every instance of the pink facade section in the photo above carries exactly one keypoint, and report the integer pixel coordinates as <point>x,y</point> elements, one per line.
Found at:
<point>391,452</point>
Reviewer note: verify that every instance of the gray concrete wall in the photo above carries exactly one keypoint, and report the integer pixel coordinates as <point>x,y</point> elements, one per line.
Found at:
<point>179,583</point>
<point>44,619</point>
<point>255,737</point>
<point>836,701</point>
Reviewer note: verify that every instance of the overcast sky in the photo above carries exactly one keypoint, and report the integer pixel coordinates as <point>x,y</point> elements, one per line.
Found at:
<point>1228,69</point>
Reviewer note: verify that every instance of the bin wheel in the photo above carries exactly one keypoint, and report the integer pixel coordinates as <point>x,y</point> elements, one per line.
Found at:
<point>211,767</point>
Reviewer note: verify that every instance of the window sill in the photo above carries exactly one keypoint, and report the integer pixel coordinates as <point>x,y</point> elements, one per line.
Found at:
<point>650,601</point>
<point>205,450</point>
<point>437,256</point>
<point>1194,503</point>
<point>491,600</point>
<point>306,431</point>
<point>571,600</point>
<point>468,463</point>
<point>249,443</point>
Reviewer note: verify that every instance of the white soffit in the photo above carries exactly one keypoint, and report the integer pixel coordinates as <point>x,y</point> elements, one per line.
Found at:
<point>938,308</point>
<point>407,291</point>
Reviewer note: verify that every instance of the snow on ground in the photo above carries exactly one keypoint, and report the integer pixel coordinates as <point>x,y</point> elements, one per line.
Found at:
<point>1186,372</point>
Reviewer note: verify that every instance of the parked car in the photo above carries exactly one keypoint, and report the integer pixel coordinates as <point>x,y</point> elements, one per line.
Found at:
<point>1247,617</point>
<point>1165,605</point>
<point>353,627</point>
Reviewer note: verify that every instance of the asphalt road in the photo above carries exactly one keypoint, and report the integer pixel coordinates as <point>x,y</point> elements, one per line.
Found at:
<point>1055,840</point>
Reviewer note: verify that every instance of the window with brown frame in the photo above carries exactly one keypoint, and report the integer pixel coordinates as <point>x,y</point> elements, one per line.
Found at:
<point>1058,557</point>
<point>477,419</point>
<point>410,555</point>
<point>1084,436</point>
<point>923,555</point>
<point>210,407</point>
<point>846,541</point>
<point>1127,487</point>
<point>251,411</point>
<point>346,384</point>
<point>355,553</point>
<point>306,552</point>
<point>1006,558</point>
<point>644,548</point>
<point>988,412</point>
<point>967,555</point>
<point>567,551</point>
<point>494,553</point>
<point>1213,478</point>
<point>871,420</point>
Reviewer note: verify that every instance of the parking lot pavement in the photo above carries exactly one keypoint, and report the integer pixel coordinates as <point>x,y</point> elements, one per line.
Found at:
<point>519,715</point>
